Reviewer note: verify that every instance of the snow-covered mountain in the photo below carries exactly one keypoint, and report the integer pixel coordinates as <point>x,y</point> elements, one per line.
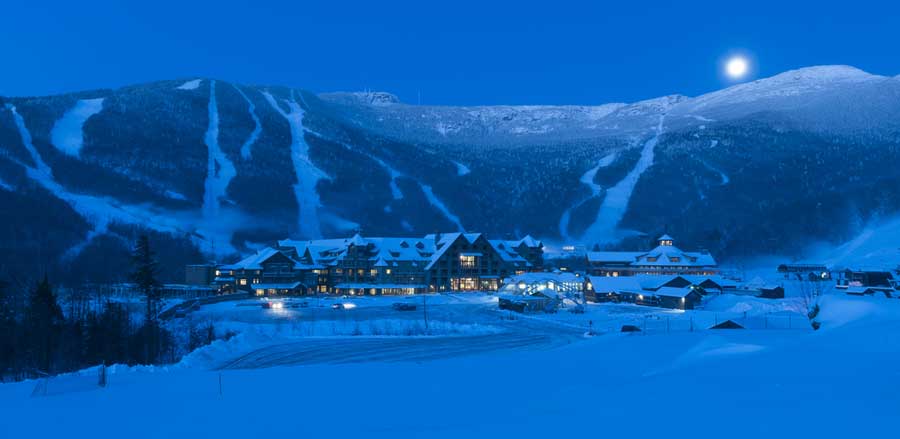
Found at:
<point>213,169</point>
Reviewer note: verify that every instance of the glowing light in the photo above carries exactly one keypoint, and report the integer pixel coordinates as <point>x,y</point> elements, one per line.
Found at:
<point>277,305</point>
<point>349,305</point>
<point>737,67</point>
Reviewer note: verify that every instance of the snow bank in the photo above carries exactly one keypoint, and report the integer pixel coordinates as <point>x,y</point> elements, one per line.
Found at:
<point>837,310</point>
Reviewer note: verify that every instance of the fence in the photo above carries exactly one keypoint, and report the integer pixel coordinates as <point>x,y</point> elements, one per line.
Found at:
<point>84,381</point>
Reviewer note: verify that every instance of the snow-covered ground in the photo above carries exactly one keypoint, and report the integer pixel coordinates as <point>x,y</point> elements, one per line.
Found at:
<point>835,382</point>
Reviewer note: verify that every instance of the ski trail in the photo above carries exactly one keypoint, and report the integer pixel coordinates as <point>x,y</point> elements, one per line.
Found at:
<point>617,197</point>
<point>394,174</point>
<point>6,186</point>
<point>461,169</point>
<point>219,172</point>
<point>723,176</point>
<point>588,180</point>
<point>440,206</point>
<point>99,212</point>
<point>67,134</point>
<point>257,129</point>
<point>308,175</point>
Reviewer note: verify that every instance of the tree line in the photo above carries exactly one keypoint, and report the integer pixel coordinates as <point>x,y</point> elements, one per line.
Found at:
<point>37,338</point>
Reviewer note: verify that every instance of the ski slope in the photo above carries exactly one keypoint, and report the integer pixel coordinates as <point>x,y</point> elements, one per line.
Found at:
<point>67,134</point>
<point>219,173</point>
<point>307,174</point>
<point>604,228</point>
<point>246,151</point>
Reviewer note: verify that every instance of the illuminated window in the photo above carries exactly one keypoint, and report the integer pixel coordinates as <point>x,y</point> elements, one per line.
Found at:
<point>387,271</point>
<point>674,258</point>
<point>218,273</point>
<point>467,261</point>
<point>243,281</point>
<point>373,272</point>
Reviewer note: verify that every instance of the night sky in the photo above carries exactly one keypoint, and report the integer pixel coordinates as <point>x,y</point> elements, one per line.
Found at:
<point>453,53</point>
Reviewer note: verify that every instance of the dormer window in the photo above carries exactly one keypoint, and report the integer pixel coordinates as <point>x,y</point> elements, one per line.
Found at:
<point>674,259</point>
<point>419,245</point>
<point>651,258</point>
<point>404,244</point>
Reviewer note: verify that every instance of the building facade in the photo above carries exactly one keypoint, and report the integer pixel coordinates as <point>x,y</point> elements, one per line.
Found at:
<point>665,259</point>
<point>382,265</point>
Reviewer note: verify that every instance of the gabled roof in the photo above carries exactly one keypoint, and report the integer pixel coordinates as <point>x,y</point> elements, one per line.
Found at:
<point>253,262</point>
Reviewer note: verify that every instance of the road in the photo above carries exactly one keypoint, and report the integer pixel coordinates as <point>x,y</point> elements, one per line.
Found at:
<point>524,332</point>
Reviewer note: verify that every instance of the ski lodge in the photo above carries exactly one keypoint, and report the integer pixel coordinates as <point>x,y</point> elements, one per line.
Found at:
<point>665,259</point>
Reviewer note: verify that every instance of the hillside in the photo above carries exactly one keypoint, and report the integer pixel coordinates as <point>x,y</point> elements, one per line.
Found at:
<point>213,169</point>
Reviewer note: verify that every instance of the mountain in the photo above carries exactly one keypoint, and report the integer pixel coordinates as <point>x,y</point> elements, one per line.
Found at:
<point>212,169</point>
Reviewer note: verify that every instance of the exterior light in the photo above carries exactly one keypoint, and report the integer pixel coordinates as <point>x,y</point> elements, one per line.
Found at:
<point>521,285</point>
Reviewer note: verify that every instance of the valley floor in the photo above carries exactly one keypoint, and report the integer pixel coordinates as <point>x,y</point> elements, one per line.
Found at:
<point>486,375</point>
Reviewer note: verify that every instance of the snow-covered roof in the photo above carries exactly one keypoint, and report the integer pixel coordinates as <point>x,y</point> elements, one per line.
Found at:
<point>673,292</point>
<point>253,262</point>
<point>390,251</point>
<point>623,257</point>
<point>661,256</point>
<point>608,284</point>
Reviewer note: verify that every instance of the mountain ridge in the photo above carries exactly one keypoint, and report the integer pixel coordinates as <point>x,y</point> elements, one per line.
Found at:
<point>767,174</point>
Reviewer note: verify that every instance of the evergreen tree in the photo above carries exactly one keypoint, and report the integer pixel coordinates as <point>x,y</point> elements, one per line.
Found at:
<point>8,332</point>
<point>43,320</point>
<point>150,335</point>
<point>144,275</point>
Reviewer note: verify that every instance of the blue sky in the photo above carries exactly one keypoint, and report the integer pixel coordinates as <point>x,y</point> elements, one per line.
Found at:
<point>461,52</point>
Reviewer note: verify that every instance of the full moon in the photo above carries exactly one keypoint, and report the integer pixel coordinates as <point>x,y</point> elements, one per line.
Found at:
<point>736,67</point>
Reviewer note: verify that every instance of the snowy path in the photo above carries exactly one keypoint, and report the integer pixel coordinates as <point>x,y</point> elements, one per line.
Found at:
<point>617,197</point>
<point>67,134</point>
<point>588,180</point>
<point>219,172</point>
<point>308,175</point>
<point>246,152</point>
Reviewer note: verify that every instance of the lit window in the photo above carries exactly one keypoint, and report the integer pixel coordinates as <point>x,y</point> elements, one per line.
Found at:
<point>467,261</point>
<point>387,271</point>
<point>243,281</point>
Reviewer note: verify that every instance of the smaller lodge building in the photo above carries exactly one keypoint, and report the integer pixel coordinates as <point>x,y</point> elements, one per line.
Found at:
<point>665,259</point>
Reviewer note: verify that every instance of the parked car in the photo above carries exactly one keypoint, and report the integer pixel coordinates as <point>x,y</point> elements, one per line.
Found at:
<point>337,306</point>
<point>403,306</point>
